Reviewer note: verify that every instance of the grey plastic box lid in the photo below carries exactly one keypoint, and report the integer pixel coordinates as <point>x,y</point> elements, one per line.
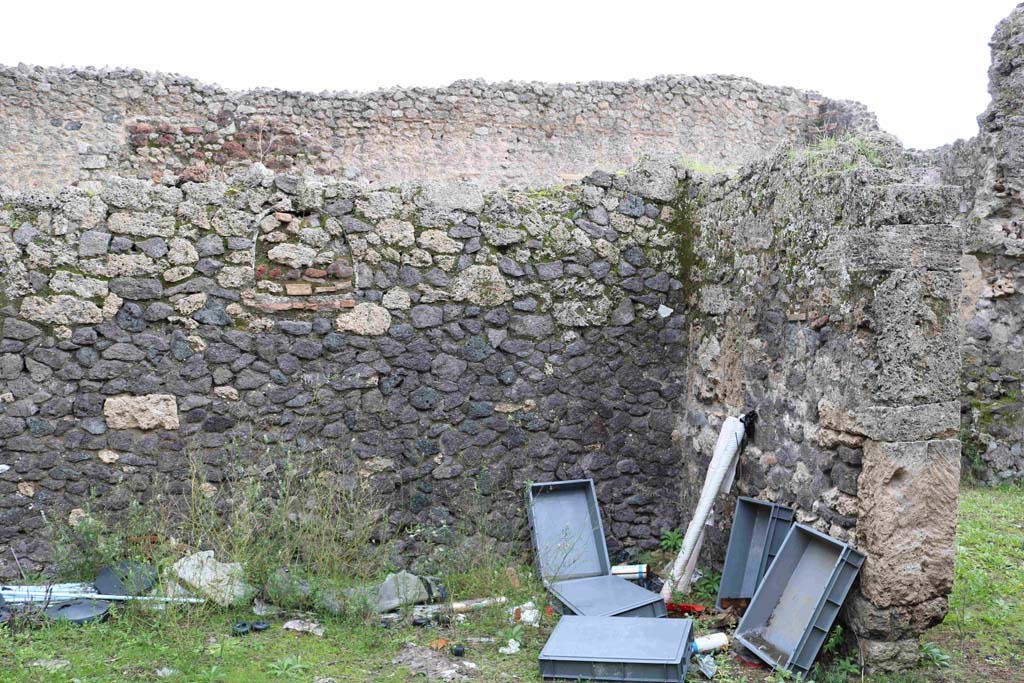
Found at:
<point>758,529</point>
<point>607,596</point>
<point>618,649</point>
<point>567,532</point>
<point>792,611</point>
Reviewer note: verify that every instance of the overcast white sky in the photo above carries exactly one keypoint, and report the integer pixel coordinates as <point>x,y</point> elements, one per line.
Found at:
<point>920,65</point>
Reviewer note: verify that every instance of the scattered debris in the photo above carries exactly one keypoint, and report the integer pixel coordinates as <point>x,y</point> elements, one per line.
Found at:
<point>632,572</point>
<point>747,658</point>
<point>526,614</point>
<point>126,578</point>
<point>166,672</point>
<point>242,628</point>
<point>720,620</point>
<point>481,640</point>
<point>463,607</point>
<point>79,611</point>
<point>458,651</point>
<point>399,590</point>
<point>707,665</point>
<point>513,578</point>
<point>512,647</point>
<point>52,665</point>
<point>303,626</point>
<point>438,644</point>
<point>222,582</point>
<point>682,609</point>
<point>264,609</point>
<point>436,666</point>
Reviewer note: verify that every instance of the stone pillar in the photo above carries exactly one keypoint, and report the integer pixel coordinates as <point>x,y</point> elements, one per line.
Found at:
<point>910,476</point>
<point>907,527</point>
<point>828,301</point>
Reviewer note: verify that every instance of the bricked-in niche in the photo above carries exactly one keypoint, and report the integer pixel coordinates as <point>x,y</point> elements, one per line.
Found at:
<point>303,262</point>
<point>221,139</point>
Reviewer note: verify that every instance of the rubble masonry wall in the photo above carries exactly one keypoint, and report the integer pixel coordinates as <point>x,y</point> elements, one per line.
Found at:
<point>436,341</point>
<point>61,125</point>
<point>991,168</point>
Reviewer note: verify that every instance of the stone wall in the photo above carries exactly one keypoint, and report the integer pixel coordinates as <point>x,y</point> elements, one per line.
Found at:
<point>432,340</point>
<point>991,169</point>
<point>825,285</point>
<point>179,303</point>
<point>60,125</point>
<point>435,339</point>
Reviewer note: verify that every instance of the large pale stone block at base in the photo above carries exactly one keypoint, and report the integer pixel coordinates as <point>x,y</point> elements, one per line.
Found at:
<point>907,520</point>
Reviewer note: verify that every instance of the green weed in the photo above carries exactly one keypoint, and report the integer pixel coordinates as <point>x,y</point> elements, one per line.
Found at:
<point>934,655</point>
<point>671,540</point>
<point>288,667</point>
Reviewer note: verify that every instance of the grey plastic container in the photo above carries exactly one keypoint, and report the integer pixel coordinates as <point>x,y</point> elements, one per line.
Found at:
<point>792,611</point>
<point>618,649</point>
<point>758,530</point>
<point>572,555</point>
<point>606,596</point>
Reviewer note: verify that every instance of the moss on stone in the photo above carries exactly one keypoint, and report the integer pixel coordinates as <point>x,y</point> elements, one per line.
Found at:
<point>683,225</point>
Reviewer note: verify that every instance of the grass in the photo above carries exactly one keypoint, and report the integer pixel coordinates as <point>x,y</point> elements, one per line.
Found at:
<point>986,609</point>
<point>982,638</point>
<point>135,643</point>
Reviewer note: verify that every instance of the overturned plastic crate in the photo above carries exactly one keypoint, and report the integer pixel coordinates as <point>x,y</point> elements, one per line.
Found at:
<point>572,555</point>
<point>618,649</point>
<point>792,611</point>
<point>758,530</point>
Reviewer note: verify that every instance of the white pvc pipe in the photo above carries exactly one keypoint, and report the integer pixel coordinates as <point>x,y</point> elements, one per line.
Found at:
<point>710,643</point>
<point>630,571</point>
<point>64,597</point>
<point>15,591</point>
<point>726,449</point>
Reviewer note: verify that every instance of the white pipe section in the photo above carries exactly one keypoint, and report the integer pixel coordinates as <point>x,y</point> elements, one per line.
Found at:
<point>631,571</point>
<point>722,464</point>
<point>64,597</point>
<point>710,643</point>
<point>14,591</point>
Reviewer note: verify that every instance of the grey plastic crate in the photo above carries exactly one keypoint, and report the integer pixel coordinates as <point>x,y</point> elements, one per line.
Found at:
<point>793,609</point>
<point>758,530</point>
<point>567,532</point>
<point>618,649</point>
<point>572,555</point>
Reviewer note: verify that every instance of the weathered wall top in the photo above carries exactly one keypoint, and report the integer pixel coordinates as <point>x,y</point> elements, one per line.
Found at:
<point>60,125</point>
<point>991,169</point>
